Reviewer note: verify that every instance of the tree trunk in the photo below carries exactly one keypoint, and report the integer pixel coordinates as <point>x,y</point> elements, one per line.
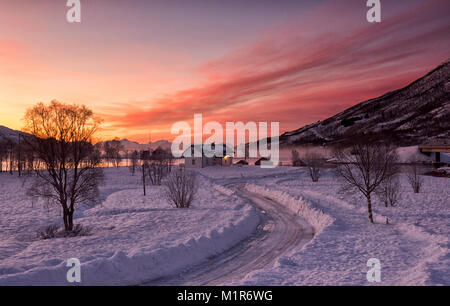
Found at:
<point>369,207</point>
<point>70,220</point>
<point>66,219</point>
<point>143,178</point>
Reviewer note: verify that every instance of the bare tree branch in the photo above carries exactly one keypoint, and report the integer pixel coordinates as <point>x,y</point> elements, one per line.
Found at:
<point>70,172</point>
<point>364,167</point>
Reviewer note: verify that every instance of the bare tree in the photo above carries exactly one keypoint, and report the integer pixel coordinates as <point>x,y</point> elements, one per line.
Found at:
<point>70,172</point>
<point>144,169</point>
<point>388,191</point>
<point>181,187</point>
<point>134,162</point>
<point>117,148</point>
<point>19,155</point>
<point>126,156</point>
<point>414,177</point>
<point>314,162</point>
<point>10,151</point>
<point>365,167</point>
<point>3,154</point>
<point>159,166</point>
<point>112,151</point>
<point>295,156</point>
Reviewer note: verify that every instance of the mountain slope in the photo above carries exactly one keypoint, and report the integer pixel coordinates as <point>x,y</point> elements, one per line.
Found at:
<point>132,145</point>
<point>9,134</point>
<point>417,113</point>
<point>13,135</point>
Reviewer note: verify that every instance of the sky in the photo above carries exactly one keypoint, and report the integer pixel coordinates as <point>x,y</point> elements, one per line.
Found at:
<point>143,65</point>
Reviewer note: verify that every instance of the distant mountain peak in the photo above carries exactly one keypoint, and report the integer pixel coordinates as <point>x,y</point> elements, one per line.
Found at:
<point>130,145</point>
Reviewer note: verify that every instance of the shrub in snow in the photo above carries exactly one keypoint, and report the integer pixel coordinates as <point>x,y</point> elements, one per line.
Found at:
<point>52,231</point>
<point>314,162</point>
<point>295,156</point>
<point>388,192</point>
<point>78,230</point>
<point>49,232</point>
<point>181,188</point>
<point>414,177</point>
<point>159,166</point>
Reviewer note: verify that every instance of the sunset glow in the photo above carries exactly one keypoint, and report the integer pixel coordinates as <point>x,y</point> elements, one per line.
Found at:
<point>144,65</point>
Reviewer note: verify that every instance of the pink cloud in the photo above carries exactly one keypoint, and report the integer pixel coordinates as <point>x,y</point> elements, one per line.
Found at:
<point>299,78</point>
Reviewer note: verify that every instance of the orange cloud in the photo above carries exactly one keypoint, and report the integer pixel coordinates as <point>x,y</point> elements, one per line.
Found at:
<point>296,79</point>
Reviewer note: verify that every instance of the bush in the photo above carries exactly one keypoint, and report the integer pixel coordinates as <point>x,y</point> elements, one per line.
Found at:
<point>49,232</point>
<point>388,192</point>
<point>414,178</point>
<point>314,162</point>
<point>181,188</point>
<point>52,232</point>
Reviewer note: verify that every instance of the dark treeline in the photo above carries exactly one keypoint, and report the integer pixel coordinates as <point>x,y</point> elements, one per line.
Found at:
<point>18,157</point>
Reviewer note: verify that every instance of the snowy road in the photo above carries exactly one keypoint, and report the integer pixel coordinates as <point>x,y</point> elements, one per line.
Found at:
<point>278,232</point>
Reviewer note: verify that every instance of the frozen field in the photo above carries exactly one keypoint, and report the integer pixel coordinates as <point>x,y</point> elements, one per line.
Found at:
<point>413,249</point>
<point>136,239</point>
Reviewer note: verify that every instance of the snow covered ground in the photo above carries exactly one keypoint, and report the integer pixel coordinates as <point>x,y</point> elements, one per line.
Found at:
<point>413,249</point>
<point>135,238</point>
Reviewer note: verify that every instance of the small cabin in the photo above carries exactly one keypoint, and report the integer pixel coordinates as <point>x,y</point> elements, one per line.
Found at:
<point>201,156</point>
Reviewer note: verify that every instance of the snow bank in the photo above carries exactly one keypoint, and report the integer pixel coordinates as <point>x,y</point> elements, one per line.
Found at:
<point>224,190</point>
<point>412,153</point>
<point>437,247</point>
<point>444,170</point>
<point>135,238</point>
<point>139,265</point>
<point>413,248</point>
<point>317,218</point>
<point>246,171</point>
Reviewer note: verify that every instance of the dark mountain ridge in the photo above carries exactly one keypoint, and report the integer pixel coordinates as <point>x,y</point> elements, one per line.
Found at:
<point>416,113</point>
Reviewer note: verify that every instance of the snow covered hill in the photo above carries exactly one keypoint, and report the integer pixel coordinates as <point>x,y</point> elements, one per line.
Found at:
<point>9,134</point>
<point>419,112</point>
<point>133,145</point>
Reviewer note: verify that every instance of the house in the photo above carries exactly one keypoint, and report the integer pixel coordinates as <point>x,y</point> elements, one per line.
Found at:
<point>435,149</point>
<point>206,155</point>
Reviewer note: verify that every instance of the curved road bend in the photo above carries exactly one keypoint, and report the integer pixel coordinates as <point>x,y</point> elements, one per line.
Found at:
<point>278,232</point>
